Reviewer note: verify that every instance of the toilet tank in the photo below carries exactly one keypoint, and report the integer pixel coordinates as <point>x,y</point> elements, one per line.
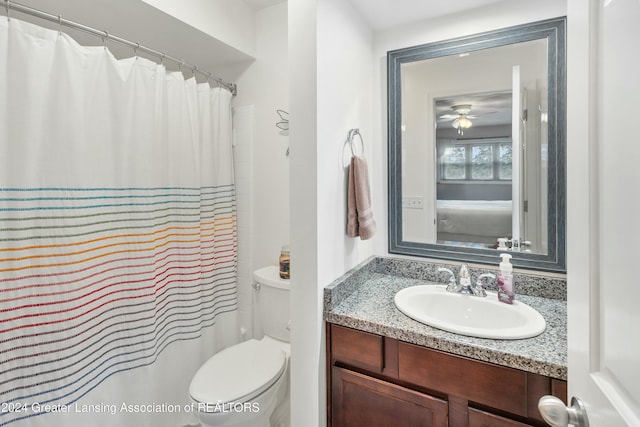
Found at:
<point>272,302</point>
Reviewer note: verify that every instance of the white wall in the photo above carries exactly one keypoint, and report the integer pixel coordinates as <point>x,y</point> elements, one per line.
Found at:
<point>264,85</point>
<point>306,339</point>
<point>230,21</point>
<point>345,48</point>
<point>328,40</point>
<point>582,181</point>
<point>499,15</point>
<point>243,127</point>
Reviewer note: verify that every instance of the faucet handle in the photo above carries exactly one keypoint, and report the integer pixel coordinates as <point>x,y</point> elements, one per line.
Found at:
<point>452,277</point>
<point>478,289</point>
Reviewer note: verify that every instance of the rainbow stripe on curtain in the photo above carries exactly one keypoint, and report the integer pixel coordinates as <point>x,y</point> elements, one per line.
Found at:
<point>95,281</point>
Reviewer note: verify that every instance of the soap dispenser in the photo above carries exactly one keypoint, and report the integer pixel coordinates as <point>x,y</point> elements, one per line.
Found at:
<point>505,280</point>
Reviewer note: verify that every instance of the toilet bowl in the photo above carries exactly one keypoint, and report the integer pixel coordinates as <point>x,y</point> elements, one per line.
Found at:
<point>243,385</point>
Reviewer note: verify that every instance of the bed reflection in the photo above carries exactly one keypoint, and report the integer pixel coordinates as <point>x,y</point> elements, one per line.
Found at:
<point>473,223</point>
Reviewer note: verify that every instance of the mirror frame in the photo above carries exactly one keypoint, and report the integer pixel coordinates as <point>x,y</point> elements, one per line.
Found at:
<point>553,30</point>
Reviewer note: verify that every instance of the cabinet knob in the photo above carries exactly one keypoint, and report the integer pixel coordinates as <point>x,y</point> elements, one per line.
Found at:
<point>556,414</point>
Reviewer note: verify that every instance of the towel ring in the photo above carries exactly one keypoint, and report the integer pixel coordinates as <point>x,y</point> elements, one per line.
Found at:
<point>350,136</point>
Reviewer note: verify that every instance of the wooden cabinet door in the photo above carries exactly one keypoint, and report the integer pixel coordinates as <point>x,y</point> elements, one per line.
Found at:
<point>362,401</point>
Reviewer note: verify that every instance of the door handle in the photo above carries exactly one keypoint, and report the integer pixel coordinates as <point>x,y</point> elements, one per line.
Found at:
<point>556,414</point>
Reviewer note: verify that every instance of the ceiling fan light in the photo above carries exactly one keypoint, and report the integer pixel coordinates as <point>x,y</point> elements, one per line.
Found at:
<point>464,123</point>
<point>455,123</point>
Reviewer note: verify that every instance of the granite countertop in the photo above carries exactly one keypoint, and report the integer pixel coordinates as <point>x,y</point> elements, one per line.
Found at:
<point>368,306</point>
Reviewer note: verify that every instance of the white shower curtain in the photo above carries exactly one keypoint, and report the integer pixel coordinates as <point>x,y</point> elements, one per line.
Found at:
<point>118,243</point>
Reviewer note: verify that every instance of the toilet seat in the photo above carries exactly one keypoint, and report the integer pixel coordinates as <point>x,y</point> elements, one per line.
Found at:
<point>239,373</point>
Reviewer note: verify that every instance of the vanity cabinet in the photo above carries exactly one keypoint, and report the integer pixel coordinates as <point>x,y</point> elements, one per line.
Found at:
<point>380,381</point>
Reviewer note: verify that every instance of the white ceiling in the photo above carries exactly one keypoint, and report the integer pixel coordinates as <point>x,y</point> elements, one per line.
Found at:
<point>261,4</point>
<point>487,109</point>
<point>384,14</point>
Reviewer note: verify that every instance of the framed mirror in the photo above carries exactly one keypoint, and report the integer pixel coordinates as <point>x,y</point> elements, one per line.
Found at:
<point>476,144</point>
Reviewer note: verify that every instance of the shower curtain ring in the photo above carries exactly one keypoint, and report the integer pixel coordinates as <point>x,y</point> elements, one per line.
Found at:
<point>135,50</point>
<point>193,71</point>
<point>104,39</point>
<point>59,24</point>
<point>6,5</point>
<point>164,55</point>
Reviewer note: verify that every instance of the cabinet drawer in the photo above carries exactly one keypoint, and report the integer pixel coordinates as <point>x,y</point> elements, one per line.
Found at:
<point>362,401</point>
<point>480,382</point>
<point>357,348</point>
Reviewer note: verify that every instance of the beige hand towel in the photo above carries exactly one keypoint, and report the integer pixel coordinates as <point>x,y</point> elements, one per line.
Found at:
<point>360,220</point>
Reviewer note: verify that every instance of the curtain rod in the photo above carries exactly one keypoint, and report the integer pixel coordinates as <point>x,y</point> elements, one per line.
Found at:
<point>137,47</point>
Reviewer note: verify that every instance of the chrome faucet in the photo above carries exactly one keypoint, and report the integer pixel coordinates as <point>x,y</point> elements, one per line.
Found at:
<point>452,279</point>
<point>478,289</point>
<point>465,286</point>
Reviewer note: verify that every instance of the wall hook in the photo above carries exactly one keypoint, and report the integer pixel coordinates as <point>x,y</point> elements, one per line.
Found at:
<point>283,124</point>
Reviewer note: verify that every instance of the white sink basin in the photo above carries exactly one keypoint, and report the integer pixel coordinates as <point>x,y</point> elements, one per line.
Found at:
<point>483,317</point>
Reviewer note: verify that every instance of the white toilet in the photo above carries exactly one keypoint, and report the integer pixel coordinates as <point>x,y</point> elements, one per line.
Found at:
<point>248,384</point>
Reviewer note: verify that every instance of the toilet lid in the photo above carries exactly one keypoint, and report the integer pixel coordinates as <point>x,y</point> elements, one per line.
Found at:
<point>238,372</point>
